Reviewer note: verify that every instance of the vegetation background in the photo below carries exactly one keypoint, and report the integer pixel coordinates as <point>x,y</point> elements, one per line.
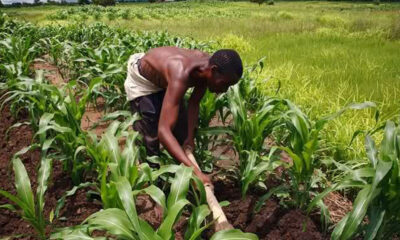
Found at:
<point>321,55</point>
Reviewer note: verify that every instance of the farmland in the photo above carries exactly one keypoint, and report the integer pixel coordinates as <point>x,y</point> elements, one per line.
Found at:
<point>277,143</point>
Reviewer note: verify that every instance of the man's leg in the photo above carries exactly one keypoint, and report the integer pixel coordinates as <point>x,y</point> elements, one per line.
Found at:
<point>149,108</point>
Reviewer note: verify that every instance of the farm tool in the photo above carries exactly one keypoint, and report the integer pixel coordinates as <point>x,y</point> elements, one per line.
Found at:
<point>221,222</point>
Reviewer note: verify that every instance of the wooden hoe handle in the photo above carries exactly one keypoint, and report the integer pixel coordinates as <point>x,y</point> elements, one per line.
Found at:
<point>221,223</point>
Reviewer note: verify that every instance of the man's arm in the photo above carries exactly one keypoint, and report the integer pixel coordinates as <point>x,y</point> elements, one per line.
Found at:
<point>193,113</point>
<point>168,118</point>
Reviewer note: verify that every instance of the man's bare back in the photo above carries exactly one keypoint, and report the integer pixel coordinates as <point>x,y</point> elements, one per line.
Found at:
<point>156,65</point>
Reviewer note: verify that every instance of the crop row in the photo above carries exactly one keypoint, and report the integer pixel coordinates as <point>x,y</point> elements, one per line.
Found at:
<point>97,12</point>
<point>94,59</point>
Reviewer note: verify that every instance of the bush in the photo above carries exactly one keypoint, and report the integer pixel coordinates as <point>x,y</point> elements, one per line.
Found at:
<point>104,2</point>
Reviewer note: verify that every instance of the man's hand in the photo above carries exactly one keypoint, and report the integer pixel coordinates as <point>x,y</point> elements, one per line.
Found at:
<point>203,177</point>
<point>189,144</point>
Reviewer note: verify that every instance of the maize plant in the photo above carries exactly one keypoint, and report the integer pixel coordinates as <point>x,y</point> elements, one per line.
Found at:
<point>56,117</point>
<point>379,197</point>
<point>124,222</point>
<point>248,88</point>
<point>108,159</point>
<point>31,208</point>
<point>16,55</point>
<point>210,105</point>
<point>303,145</point>
<point>249,131</point>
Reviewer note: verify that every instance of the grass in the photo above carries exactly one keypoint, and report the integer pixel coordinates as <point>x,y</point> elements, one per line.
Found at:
<point>324,54</point>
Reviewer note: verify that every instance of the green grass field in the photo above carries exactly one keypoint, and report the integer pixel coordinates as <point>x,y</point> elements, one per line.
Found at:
<point>324,54</point>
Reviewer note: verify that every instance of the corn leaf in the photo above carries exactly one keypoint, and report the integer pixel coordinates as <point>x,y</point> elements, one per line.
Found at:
<point>165,230</point>
<point>375,221</point>
<point>198,216</point>
<point>233,234</point>
<point>371,150</point>
<point>179,185</point>
<point>23,186</point>
<point>113,220</point>
<point>43,176</point>
<point>360,207</point>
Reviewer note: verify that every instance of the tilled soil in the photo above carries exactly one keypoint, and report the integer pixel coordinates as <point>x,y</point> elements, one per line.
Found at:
<point>271,222</point>
<point>76,208</point>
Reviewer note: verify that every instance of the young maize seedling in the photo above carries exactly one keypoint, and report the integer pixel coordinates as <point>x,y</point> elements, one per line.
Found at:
<point>32,209</point>
<point>379,197</point>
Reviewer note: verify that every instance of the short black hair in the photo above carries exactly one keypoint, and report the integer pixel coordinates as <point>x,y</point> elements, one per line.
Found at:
<point>227,61</point>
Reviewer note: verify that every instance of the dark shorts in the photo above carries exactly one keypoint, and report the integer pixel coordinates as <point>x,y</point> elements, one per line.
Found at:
<point>149,108</point>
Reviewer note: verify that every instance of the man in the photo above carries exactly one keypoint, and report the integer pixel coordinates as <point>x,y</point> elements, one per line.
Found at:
<point>156,84</point>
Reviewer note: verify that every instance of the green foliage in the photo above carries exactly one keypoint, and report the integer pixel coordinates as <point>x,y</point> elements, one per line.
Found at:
<point>16,54</point>
<point>124,221</point>
<point>32,209</point>
<point>303,144</point>
<point>379,197</point>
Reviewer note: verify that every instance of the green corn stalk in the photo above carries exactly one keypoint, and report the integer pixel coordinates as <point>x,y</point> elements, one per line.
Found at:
<point>107,158</point>
<point>17,54</point>
<point>210,105</point>
<point>124,222</point>
<point>32,209</point>
<point>379,197</point>
<point>303,144</point>
<point>254,166</point>
<point>56,117</point>
<point>249,130</point>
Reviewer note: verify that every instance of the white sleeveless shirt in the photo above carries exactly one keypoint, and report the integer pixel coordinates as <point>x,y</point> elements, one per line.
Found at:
<point>135,84</point>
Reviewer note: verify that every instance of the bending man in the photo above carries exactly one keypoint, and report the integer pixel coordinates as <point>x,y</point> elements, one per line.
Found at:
<point>156,84</point>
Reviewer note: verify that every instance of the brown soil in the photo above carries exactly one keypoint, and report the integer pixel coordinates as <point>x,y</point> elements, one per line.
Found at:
<point>76,208</point>
<point>51,72</point>
<point>294,225</point>
<point>90,117</point>
<point>338,206</point>
<point>271,222</point>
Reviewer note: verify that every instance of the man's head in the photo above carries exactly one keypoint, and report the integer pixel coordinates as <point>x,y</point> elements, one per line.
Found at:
<point>226,70</point>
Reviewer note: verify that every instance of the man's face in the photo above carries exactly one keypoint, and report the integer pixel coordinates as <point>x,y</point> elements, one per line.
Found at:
<point>219,83</point>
